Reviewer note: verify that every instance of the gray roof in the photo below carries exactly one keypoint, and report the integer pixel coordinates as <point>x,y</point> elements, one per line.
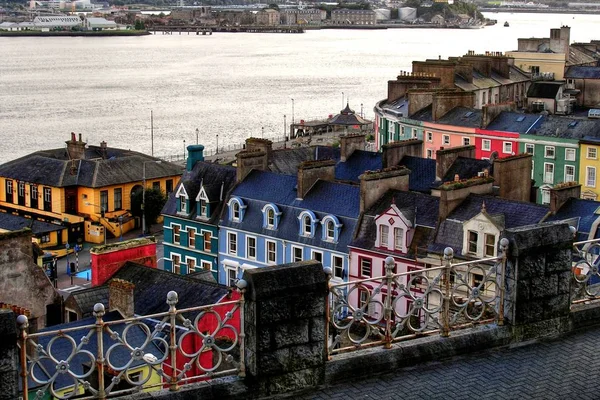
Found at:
<point>508,121</point>
<point>347,117</point>
<point>458,116</point>
<point>566,127</point>
<point>12,222</point>
<point>54,168</point>
<point>583,72</point>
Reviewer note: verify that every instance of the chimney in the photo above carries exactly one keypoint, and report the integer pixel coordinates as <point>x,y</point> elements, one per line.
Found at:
<point>108,259</point>
<point>394,152</point>
<point>444,158</point>
<point>489,112</point>
<point>374,184</point>
<point>562,192</point>
<point>453,193</point>
<point>444,102</point>
<point>311,171</point>
<point>260,144</point>
<point>75,148</point>
<point>120,297</point>
<point>349,143</point>
<point>249,160</point>
<point>103,150</point>
<point>512,175</point>
<point>195,154</point>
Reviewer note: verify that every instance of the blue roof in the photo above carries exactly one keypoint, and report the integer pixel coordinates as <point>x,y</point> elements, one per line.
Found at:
<point>358,162</point>
<point>516,122</point>
<point>422,173</point>
<point>582,211</point>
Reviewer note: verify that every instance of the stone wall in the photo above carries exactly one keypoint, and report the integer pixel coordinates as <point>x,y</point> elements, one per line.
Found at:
<point>394,152</point>
<point>9,359</point>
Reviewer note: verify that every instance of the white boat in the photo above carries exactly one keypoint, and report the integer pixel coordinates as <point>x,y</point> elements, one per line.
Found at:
<point>476,25</point>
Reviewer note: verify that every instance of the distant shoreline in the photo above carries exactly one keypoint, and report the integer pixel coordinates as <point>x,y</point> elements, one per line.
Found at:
<point>537,10</point>
<point>72,34</point>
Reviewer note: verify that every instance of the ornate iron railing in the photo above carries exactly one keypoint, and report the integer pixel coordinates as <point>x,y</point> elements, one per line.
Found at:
<point>166,349</point>
<point>586,271</point>
<point>400,306</point>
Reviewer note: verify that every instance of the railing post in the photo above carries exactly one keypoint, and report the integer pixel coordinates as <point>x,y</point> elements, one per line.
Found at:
<point>328,299</point>
<point>387,306</point>
<point>448,255</point>
<point>172,300</point>
<point>502,280</point>
<point>241,285</point>
<point>99,313</point>
<point>23,324</point>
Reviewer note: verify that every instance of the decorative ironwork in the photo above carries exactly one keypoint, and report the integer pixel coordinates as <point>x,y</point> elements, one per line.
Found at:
<point>382,310</point>
<point>586,270</point>
<point>164,349</point>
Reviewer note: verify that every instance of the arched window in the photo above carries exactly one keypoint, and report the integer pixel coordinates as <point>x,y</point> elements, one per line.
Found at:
<point>330,232</point>
<point>271,215</point>
<point>307,221</point>
<point>270,218</point>
<point>331,228</point>
<point>236,209</point>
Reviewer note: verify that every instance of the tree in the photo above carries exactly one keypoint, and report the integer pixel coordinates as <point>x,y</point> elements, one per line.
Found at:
<point>155,201</point>
<point>139,25</point>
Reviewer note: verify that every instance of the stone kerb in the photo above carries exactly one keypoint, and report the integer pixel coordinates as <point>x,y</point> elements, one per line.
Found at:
<point>9,367</point>
<point>538,273</point>
<point>285,320</point>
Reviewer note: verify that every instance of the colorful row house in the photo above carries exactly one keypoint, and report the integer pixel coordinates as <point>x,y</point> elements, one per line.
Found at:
<point>192,213</point>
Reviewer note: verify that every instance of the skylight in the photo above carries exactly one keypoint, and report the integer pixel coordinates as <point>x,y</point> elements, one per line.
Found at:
<point>520,119</point>
<point>573,124</point>
<point>468,114</point>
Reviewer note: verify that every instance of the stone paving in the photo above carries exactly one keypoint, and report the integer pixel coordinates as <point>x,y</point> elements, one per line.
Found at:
<point>564,368</point>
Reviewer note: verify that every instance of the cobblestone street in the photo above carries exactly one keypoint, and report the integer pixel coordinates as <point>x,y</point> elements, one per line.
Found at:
<point>566,368</point>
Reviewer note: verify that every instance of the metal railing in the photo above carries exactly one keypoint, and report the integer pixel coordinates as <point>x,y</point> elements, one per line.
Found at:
<point>586,271</point>
<point>164,350</point>
<point>400,306</point>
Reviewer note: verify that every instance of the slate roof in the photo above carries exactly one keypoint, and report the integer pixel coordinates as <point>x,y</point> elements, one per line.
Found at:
<point>513,213</point>
<point>151,288</point>
<point>53,168</point>
<point>544,89</point>
<point>348,117</point>
<point>581,212</point>
<point>458,116</point>
<point>422,173</point>
<point>12,222</point>
<point>420,209</point>
<point>583,72</point>
<point>324,198</point>
<point>286,161</point>
<point>467,168</point>
<point>398,107</point>
<point>508,121</point>
<point>355,165</point>
<point>566,127</point>
<point>217,180</point>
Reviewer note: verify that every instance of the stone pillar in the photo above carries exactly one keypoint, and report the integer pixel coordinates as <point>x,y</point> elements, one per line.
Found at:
<point>285,327</point>
<point>538,273</point>
<point>9,356</point>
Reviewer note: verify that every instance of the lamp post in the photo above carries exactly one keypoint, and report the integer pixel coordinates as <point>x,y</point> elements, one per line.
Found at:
<point>361,110</point>
<point>144,191</point>
<point>284,131</point>
<point>293,121</point>
<point>103,210</point>
<point>121,228</point>
<point>217,152</point>
<point>183,149</point>
<point>342,100</point>
<point>197,132</point>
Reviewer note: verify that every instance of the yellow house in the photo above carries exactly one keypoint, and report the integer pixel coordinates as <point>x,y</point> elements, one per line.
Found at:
<point>86,189</point>
<point>589,167</point>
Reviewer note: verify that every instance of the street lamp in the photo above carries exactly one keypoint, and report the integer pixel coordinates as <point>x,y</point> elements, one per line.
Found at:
<point>361,110</point>
<point>284,131</point>
<point>144,191</point>
<point>197,132</point>
<point>293,121</point>
<point>101,207</point>
<point>217,152</point>
<point>342,100</point>
<point>183,149</point>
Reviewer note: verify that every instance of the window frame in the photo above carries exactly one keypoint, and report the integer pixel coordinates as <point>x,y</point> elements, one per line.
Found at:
<point>365,264</point>
<point>335,268</point>
<point>176,230</point>
<point>249,247</point>
<point>191,237</point>
<point>471,242</point>
<point>486,144</point>
<point>381,229</point>
<point>529,146</point>
<point>312,255</point>
<point>269,252</point>
<point>207,238</point>
<point>294,254</point>
<point>551,149</point>
<point>570,151</point>
<point>487,245</point>
<point>466,141</point>
<point>504,148</point>
<point>587,176</point>
<point>545,177</point>
<point>446,140</point>
<point>573,174</point>
<point>401,246</point>
<point>232,243</point>
<point>429,135</point>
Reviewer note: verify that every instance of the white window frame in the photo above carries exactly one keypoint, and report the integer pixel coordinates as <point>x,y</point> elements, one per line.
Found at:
<point>587,177</point>
<point>570,154</point>
<point>206,265</point>
<point>571,175</point>
<point>203,208</point>
<point>485,245</point>
<point>268,252</point>
<point>229,280</point>
<point>429,136</point>
<point>466,141</point>
<point>330,233</point>
<point>545,195</point>
<point>175,266</point>
<point>507,147</point>
<point>486,144</point>
<point>591,156</point>
<point>235,211</point>
<point>445,140</point>
<point>178,239</point>
<point>360,266</point>
<point>270,218</point>
<point>334,268</point>
<point>182,203</point>
<point>312,255</point>
<point>545,178</point>
<point>187,264</point>
<point>231,235</point>
<point>383,243</point>
<point>470,242</point>
<point>391,131</point>
<point>204,240</point>
<point>530,146</point>
<point>248,238</point>
<point>293,254</point>
<point>429,153</point>
<point>549,149</point>
<point>401,245</point>
<point>191,237</point>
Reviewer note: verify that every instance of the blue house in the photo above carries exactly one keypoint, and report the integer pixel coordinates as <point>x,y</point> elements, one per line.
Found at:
<point>273,219</point>
<point>192,212</point>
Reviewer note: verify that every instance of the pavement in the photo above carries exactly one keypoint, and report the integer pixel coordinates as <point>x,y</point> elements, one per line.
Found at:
<point>67,284</point>
<point>562,368</point>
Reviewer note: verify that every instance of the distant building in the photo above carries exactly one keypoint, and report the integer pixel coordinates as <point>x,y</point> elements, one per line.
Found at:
<point>100,24</point>
<point>64,22</point>
<point>345,16</point>
<point>309,16</point>
<point>267,16</point>
<point>585,83</point>
<point>437,19</point>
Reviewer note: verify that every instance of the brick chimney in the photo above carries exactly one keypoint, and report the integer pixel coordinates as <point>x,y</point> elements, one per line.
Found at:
<point>195,154</point>
<point>374,184</point>
<point>103,150</point>
<point>393,152</point>
<point>562,192</point>
<point>76,148</point>
<point>444,158</point>
<point>260,144</point>
<point>349,143</point>
<point>453,193</point>
<point>513,177</point>
<point>311,171</point>
<point>120,297</point>
<point>248,160</point>
<point>445,101</point>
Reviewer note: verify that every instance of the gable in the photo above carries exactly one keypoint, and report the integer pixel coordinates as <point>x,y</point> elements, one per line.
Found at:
<point>392,217</point>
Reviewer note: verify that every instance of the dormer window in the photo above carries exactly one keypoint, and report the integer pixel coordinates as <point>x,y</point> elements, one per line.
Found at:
<point>203,208</point>
<point>331,228</point>
<point>202,201</point>
<point>271,216</point>
<point>182,199</point>
<point>307,221</point>
<point>398,239</point>
<point>480,235</point>
<point>182,204</point>
<point>384,232</point>
<point>236,209</point>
